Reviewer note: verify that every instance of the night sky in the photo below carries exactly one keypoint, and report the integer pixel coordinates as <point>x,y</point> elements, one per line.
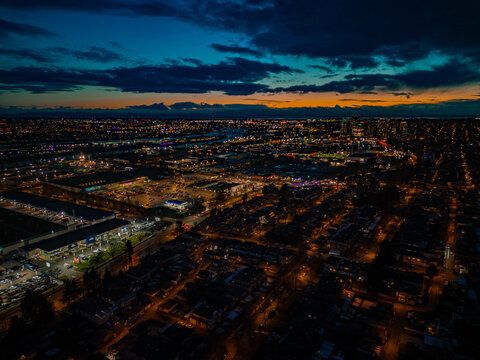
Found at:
<point>241,58</point>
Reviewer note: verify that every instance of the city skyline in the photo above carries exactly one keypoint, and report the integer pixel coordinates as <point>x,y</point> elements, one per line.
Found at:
<point>239,58</point>
<point>239,179</point>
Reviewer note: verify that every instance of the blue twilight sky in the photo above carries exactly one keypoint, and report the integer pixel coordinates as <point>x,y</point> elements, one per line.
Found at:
<point>240,58</point>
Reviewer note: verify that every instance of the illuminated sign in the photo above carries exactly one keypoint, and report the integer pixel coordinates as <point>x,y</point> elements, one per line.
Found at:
<point>93,188</point>
<point>90,239</point>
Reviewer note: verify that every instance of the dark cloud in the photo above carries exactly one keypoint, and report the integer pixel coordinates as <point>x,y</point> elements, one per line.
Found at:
<point>117,45</point>
<point>450,74</point>
<point>235,76</point>
<point>93,54</point>
<point>7,28</point>
<point>402,30</point>
<point>353,62</point>
<point>98,54</point>
<point>398,55</point>
<point>406,94</point>
<point>395,63</point>
<point>474,56</point>
<point>338,62</point>
<point>236,50</point>
<point>453,73</point>
<point>155,106</point>
<point>183,105</point>
<point>24,54</point>
<point>151,8</point>
<point>453,108</point>
<point>191,105</point>
<point>341,86</point>
<point>268,100</point>
<point>39,80</point>
<point>320,67</point>
<point>192,61</point>
<point>364,100</point>
<point>349,32</point>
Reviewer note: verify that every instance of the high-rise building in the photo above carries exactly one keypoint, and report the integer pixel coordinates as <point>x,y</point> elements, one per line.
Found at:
<point>371,128</point>
<point>404,130</point>
<point>358,129</point>
<point>345,128</point>
<point>383,131</point>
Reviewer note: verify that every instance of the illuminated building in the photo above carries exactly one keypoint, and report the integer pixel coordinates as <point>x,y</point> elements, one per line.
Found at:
<point>358,130</point>
<point>404,130</point>
<point>176,205</point>
<point>345,128</point>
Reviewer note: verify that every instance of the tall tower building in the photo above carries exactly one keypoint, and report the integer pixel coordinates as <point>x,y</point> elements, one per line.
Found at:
<point>383,131</point>
<point>404,130</point>
<point>358,129</point>
<point>371,128</point>
<point>345,128</point>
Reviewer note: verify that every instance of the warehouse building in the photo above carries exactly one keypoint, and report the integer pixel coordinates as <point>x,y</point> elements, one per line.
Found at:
<point>87,213</point>
<point>54,248</point>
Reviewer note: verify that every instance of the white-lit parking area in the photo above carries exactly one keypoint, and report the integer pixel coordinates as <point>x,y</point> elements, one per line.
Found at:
<point>48,215</point>
<point>17,280</point>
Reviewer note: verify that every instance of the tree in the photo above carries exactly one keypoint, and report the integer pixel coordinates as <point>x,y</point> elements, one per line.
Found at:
<point>95,260</point>
<point>269,189</point>
<point>377,270</point>
<point>70,291</point>
<point>14,340</point>
<point>389,197</point>
<point>36,309</point>
<point>220,197</point>
<point>86,279</point>
<point>285,189</point>
<point>91,280</point>
<point>107,277</point>
<point>129,250</point>
<point>271,314</point>
<point>245,197</point>
<point>375,275</point>
<point>112,251</point>
<point>284,192</point>
<point>197,204</point>
<point>68,338</point>
<point>55,272</point>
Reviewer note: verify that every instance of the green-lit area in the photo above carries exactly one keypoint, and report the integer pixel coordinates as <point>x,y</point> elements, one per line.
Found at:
<point>330,155</point>
<point>111,252</point>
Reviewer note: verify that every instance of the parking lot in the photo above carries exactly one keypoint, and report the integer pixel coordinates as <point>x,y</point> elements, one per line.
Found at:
<point>19,275</point>
<point>17,280</point>
<point>65,266</point>
<point>152,193</point>
<point>44,214</point>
